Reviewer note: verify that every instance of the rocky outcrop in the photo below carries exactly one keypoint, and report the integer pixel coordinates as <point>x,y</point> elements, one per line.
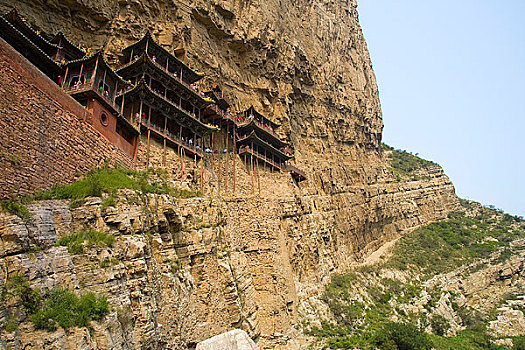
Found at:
<point>187,269</point>
<point>232,340</point>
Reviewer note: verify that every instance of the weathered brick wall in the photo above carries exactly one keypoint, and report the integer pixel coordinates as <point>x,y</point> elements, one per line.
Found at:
<point>45,135</point>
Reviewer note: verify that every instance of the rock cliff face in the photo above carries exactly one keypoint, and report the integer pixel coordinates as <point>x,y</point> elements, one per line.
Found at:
<point>189,269</point>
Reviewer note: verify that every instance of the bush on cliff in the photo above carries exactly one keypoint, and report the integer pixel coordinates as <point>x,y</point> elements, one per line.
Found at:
<point>65,308</point>
<point>401,336</point>
<point>74,242</point>
<point>16,208</point>
<point>53,307</point>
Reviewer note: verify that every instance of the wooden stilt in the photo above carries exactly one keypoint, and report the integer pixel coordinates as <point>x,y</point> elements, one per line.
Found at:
<point>147,152</point>
<point>181,161</point>
<point>234,160</point>
<point>251,173</point>
<point>202,174</point>
<point>219,170</point>
<point>226,161</point>
<point>258,178</point>
<point>194,144</point>
<point>164,151</point>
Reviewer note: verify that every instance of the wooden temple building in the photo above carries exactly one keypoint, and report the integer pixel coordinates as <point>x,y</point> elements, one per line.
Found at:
<point>164,101</point>
<point>152,95</point>
<point>93,83</point>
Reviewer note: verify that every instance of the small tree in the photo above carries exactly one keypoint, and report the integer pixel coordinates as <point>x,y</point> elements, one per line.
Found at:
<point>440,325</point>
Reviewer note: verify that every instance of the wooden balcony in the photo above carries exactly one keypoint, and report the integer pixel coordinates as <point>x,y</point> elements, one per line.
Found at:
<point>173,139</point>
<point>269,161</point>
<point>88,88</point>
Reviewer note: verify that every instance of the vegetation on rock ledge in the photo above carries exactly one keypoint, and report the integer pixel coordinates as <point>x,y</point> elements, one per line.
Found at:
<point>405,165</point>
<point>109,180</point>
<point>380,306</point>
<point>50,308</point>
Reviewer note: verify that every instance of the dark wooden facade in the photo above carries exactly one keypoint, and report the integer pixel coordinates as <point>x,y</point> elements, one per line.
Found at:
<point>95,85</point>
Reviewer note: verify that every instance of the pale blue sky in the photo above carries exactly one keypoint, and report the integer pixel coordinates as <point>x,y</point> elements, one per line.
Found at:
<point>451,76</point>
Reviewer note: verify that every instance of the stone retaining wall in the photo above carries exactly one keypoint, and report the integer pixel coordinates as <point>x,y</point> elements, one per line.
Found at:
<point>45,135</point>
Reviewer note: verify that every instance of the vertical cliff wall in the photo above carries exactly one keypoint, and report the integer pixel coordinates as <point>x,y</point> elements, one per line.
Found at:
<point>306,65</point>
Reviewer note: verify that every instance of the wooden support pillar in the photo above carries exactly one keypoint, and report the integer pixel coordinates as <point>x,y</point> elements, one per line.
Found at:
<point>147,152</point>
<point>182,158</point>
<point>80,74</point>
<point>211,148</point>
<point>258,178</point>
<point>115,92</point>
<point>179,151</point>
<point>103,82</point>
<point>226,161</point>
<point>94,72</point>
<point>164,138</point>
<point>65,77</point>
<point>202,175</point>
<point>194,144</point>
<point>250,171</point>
<point>219,169</point>
<point>234,159</point>
<point>122,106</point>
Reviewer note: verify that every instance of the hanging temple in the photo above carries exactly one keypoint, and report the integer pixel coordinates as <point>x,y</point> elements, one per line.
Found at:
<point>154,94</point>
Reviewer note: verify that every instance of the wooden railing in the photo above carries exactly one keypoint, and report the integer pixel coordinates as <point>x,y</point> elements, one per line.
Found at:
<point>174,138</point>
<point>89,86</point>
<point>270,161</point>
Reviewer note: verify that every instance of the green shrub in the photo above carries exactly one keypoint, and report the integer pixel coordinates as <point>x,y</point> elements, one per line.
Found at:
<point>519,343</point>
<point>18,286</point>
<point>107,262</point>
<point>439,324</point>
<point>74,242</point>
<point>110,201</point>
<point>11,326</point>
<point>16,208</point>
<point>404,163</point>
<point>402,337</point>
<point>66,309</point>
<point>176,265</point>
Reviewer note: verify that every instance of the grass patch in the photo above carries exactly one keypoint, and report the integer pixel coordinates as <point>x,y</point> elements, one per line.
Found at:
<point>108,262</point>
<point>17,208</point>
<point>109,180</point>
<point>75,242</point>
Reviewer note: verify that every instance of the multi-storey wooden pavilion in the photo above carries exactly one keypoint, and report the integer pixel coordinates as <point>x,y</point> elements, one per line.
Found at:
<point>257,139</point>
<point>164,101</point>
<point>93,83</point>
